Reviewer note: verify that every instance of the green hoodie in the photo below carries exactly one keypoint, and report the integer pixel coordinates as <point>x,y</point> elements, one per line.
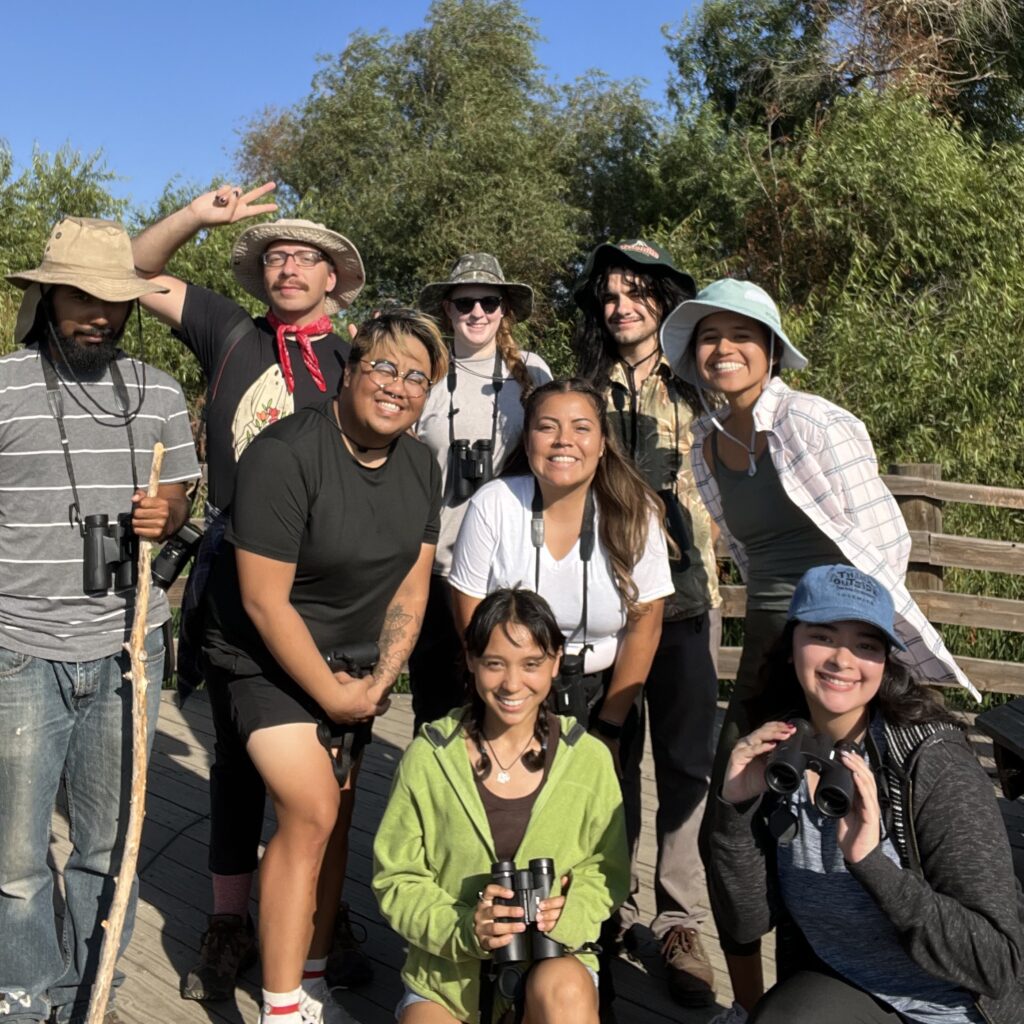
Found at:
<point>433,855</point>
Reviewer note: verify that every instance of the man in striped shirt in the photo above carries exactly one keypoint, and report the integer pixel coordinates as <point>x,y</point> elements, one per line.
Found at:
<point>79,420</point>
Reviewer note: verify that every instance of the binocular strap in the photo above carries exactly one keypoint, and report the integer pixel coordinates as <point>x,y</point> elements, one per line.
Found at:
<point>344,745</point>
<point>55,400</point>
<point>497,382</point>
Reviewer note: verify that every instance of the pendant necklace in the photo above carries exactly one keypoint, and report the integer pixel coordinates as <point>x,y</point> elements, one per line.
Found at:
<point>503,775</point>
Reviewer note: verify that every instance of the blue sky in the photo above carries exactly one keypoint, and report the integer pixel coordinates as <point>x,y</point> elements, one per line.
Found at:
<point>163,89</point>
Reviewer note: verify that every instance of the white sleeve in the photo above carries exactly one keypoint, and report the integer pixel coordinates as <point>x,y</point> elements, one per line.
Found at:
<point>652,574</point>
<point>475,547</point>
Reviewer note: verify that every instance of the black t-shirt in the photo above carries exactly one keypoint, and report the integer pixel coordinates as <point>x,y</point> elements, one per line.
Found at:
<point>245,389</point>
<point>352,533</point>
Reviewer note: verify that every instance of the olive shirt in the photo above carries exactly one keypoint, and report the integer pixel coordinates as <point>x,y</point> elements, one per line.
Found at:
<point>654,425</point>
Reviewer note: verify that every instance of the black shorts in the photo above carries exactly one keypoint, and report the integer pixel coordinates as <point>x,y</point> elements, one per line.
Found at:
<point>261,703</point>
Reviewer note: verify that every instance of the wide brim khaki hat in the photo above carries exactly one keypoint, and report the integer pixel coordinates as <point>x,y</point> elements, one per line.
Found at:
<point>348,265</point>
<point>93,255</point>
<point>479,268</point>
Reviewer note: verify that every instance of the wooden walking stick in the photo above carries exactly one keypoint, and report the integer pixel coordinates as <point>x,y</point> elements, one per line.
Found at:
<point>114,924</point>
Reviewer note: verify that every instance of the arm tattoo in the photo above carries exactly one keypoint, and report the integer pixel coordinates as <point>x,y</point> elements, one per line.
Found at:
<point>397,638</point>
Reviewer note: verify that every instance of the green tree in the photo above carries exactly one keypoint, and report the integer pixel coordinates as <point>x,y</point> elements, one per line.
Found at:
<point>779,63</point>
<point>56,185</point>
<point>421,150</point>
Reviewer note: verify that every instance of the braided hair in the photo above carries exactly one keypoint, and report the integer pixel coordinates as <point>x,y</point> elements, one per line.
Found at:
<point>499,610</point>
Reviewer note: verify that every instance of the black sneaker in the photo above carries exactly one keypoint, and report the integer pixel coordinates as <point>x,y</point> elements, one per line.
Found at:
<point>228,948</point>
<point>347,965</point>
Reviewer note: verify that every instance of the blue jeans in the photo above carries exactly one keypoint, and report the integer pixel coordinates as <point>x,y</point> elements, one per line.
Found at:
<point>63,721</point>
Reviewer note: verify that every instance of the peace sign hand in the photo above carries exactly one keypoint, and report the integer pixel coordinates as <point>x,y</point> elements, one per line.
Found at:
<point>229,203</point>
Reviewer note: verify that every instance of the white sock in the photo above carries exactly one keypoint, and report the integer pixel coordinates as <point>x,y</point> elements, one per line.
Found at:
<point>314,982</point>
<point>281,1007</point>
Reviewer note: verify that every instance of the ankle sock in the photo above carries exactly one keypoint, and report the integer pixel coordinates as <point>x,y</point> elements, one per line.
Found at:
<point>231,894</point>
<point>313,969</point>
<point>281,1007</point>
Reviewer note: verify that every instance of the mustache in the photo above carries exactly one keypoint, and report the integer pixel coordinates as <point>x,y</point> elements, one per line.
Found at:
<point>103,333</point>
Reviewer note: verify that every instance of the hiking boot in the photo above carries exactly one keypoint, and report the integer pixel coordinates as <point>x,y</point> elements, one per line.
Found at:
<point>318,1006</point>
<point>691,978</point>
<point>228,948</point>
<point>347,965</point>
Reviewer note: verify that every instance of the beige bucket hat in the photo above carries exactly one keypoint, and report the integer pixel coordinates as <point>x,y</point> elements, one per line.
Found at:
<point>94,255</point>
<point>348,265</point>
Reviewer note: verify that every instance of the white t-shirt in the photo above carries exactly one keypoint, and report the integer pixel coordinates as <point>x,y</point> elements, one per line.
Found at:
<point>494,549</point>
<point>474,404</point>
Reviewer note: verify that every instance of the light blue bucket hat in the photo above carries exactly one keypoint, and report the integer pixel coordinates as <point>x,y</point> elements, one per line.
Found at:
<point>723,296</point>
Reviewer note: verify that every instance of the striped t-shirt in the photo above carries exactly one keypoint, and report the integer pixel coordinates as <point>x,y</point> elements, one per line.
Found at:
<point>44,611</point>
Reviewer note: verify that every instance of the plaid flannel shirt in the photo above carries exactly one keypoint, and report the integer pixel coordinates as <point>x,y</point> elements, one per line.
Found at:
<point>827,466</point>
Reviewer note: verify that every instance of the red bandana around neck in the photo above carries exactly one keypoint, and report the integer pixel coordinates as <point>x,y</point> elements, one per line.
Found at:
<point>302,334</point>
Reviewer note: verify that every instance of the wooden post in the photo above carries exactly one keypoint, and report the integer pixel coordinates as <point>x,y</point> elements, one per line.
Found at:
<point>923,516</point>
<point>114,924</point>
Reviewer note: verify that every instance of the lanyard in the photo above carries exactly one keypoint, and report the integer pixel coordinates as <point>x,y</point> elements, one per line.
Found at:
<point>631,442</point>
<point>497,382</point>
<point>587,543</point>
<point>55,400</point>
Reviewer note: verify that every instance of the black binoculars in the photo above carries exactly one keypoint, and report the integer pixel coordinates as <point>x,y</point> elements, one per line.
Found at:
<point>529,886</point>
<point>175,555</point>
<point>110,553</point>
<point>471,466</point>
<point>358,660</point>
<point>806,751</point>
<point>569,691</point>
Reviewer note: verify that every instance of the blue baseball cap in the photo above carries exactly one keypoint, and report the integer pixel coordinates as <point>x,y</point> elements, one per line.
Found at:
<point>841,593</point>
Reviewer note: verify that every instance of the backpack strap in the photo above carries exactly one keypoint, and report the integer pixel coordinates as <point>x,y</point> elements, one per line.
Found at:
<point>239,329</point>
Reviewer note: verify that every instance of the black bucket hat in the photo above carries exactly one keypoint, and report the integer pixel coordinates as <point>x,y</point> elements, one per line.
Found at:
<point>636,252</point>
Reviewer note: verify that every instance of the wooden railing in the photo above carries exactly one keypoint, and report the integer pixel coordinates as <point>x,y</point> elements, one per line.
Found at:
<point>922,494</point>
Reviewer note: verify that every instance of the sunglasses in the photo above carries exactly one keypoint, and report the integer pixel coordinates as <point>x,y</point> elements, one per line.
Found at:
<point>489,304</point>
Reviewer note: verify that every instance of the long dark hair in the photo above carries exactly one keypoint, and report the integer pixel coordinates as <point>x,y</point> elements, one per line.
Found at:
<point>624,499</point>
<point>500,609</point>
<point>901,699</point>
<point>595,349</point>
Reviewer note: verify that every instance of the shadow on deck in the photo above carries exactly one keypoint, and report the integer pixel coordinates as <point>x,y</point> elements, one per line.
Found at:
<point>175,887</point>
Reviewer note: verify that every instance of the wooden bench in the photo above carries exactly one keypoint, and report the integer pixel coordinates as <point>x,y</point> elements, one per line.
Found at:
<point>1005,726</point>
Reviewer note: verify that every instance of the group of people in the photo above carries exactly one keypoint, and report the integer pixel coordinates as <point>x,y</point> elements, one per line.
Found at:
<point>540,554</point>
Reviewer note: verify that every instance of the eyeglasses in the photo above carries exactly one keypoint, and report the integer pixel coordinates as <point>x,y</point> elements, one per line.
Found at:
<point>489,303</point>
<point>385,374</point>
<point>303,258</point>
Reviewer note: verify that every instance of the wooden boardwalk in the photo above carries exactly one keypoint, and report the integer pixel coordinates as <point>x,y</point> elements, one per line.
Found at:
<point>175,888</point>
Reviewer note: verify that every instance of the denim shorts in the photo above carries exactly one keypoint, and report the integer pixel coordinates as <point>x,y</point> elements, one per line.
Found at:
<point>410,998</point>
